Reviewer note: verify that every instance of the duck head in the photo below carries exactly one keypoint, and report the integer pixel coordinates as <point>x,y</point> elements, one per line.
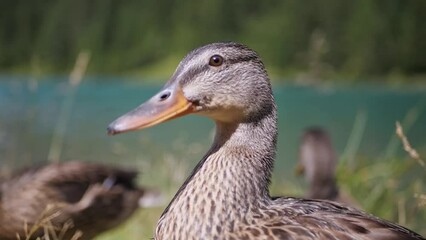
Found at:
<point>224,81</point>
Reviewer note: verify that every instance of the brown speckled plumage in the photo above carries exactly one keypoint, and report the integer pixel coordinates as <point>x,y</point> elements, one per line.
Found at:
<point>95,197</point>
<point>226,196</point>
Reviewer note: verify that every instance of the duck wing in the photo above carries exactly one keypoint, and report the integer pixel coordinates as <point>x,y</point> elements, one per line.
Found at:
<point>292,218</point>
<point>72,179</point>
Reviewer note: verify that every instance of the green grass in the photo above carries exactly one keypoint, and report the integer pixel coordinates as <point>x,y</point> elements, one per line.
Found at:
<point>387,188</point>
<point>140,226</point>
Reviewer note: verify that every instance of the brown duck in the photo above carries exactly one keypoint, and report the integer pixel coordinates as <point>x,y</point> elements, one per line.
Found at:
<point>226,196</point>
<point>317,162</point>
<point>91,197</point>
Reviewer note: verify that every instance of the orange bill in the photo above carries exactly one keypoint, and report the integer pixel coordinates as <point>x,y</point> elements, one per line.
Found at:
<point>169,103</point>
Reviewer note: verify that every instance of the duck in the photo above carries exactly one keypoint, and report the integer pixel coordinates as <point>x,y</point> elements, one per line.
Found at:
<point>317,162</point>
<point>67,200</point>
<point>227,194</point>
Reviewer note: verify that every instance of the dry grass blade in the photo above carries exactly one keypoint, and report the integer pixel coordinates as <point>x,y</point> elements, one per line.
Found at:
<point>75,79</point>
<point>80,68</point>
<point>407,146</point>
<point>50,232</point>
<point>413,154</point>
<point>77,235</point>
<point>421,198</point>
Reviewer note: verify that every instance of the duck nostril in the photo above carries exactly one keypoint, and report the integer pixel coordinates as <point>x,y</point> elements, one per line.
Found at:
<point>165,95</point>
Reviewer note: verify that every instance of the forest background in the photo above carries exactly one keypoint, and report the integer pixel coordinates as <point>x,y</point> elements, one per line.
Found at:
<point>363,39</point>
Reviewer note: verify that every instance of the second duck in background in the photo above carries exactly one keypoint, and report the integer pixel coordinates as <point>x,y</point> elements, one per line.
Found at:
<point>69,201</point>
<point>317,162</point>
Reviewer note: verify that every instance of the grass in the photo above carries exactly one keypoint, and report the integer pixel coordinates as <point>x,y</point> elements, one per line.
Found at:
<point>74,81</point>
<point>140,226</point>
<point>48,231</point>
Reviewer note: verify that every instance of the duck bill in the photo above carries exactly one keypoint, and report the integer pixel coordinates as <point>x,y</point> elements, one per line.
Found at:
<point>168,104</point>
<point>299,170</point>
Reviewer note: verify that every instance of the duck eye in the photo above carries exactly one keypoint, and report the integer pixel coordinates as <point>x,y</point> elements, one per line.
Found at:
<point>216,60</point>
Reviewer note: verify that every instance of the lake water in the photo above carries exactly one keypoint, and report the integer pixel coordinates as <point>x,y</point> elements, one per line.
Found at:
<point>30,112</point>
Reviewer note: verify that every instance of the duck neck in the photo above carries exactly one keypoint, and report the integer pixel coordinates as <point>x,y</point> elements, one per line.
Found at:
<point>324,188</point>
<point>231,180</point>
<point>244,153</point>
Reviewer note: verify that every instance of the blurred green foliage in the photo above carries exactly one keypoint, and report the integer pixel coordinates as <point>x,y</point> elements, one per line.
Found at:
<point>358,37</point>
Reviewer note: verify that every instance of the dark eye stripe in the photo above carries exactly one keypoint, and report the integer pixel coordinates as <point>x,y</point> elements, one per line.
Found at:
<point>245,58</point>
<point>193,72</point>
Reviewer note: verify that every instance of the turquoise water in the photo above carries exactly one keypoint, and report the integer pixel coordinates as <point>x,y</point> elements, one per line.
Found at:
<point>30,112</point>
